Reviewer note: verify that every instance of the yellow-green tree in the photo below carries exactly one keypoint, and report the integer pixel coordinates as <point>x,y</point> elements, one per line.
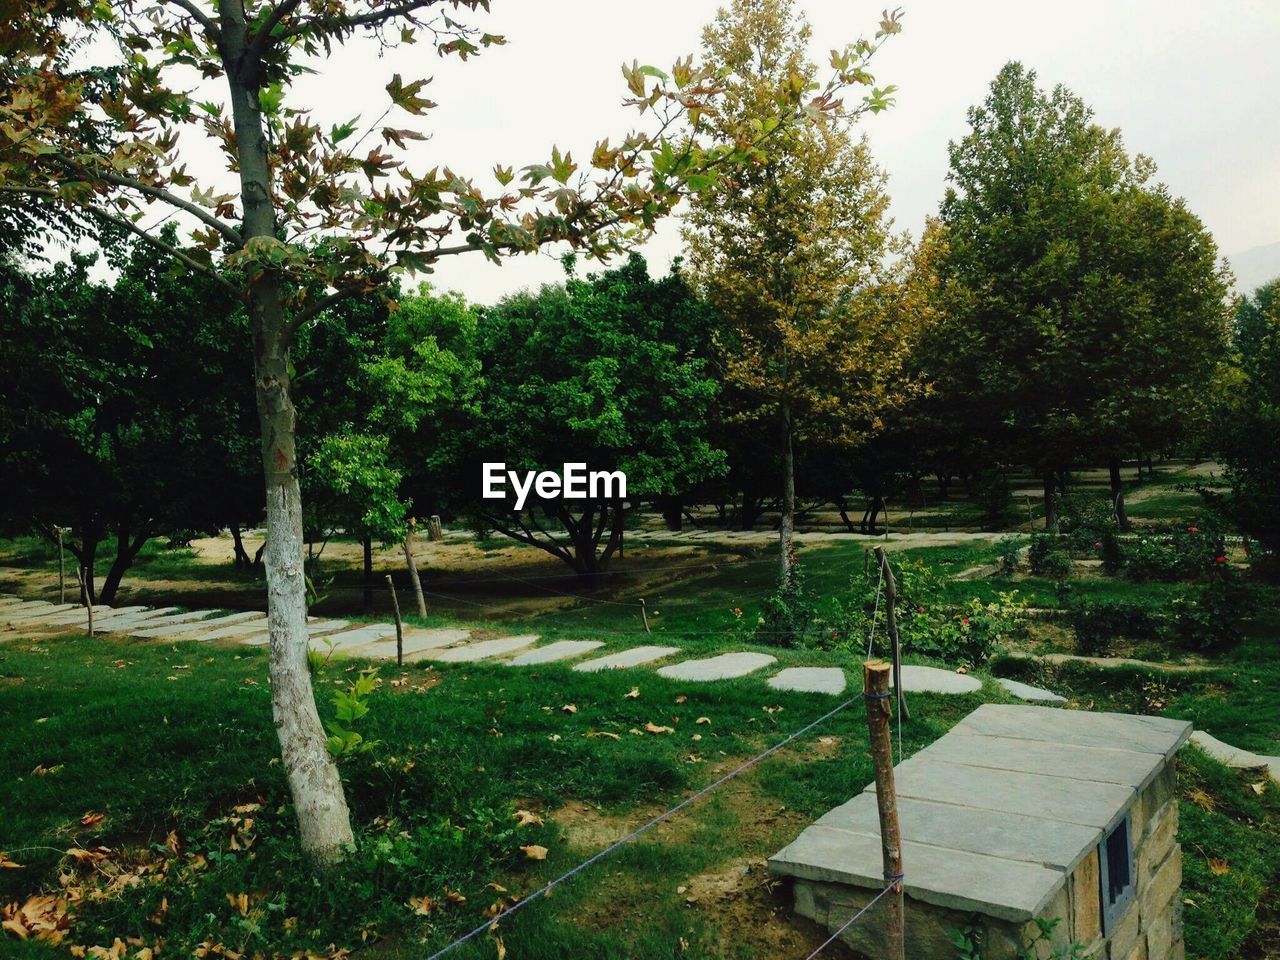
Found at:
<point>792,249</point>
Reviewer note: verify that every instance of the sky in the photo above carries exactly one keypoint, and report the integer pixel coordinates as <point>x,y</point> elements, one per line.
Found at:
<point>1193,85</point>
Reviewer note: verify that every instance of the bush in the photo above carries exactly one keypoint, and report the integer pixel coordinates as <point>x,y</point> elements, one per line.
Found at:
<point>1098,622</point>
<point>990,491</point>
<point>1089,523</point>
<point>1184,555</point>
<point>787,615</point>
<point>1046,557</point>
<point>1211,617</point>
<point>1010,555</point>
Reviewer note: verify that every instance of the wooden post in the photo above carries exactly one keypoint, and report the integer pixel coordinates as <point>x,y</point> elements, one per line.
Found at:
<point>413,569</point>
<point>435,532</point>
<point>645,614</point>
<point>875,688</point>
<point>84,597</point>
<point>891,618</point>
<point>62,582</point>
<point>395,607</point>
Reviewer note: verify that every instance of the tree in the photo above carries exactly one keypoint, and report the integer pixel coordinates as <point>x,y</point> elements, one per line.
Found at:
<point>311,220</point>
<point>123,408</point>
<point>785,249</point>
<point>597,371</point>
<point>1088,305</point>
<point>1246,421</point>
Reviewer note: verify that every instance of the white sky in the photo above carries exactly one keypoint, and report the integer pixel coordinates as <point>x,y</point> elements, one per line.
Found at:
<point>1192,84</point>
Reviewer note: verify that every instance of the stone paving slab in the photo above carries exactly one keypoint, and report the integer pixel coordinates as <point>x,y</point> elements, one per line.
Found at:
<point>829,680</point>
<point>125,618</point>
<point>1010,836</point>
<point>955,879</point>
<point>1024,691</point>
<point>365,633</point>
<point>626,658</point>
<point>916,679</point>
<point>484,649</point>
<point>1234,757</point>
<point>1082,728</point>
<point>726,666</point>
<point>168,620</point>
<point>187,627</point>
<point>231,631</point>
<point>416,642</point>
<point>34,609</point>
<point>1091,803</point>
<point>553,652</point>
<point>1129,768</point>
<point>70,618</point>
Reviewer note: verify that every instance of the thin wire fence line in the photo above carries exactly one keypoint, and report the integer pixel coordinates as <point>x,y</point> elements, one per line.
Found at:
<point>875,614</point>
<point>728,564</point>
<point>644,828</point>
<point>851,921</point>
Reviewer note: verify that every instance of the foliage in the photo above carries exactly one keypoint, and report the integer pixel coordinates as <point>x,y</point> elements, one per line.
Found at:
<point>991,492</point>
<point>788,614</point>
<point>1090,525</point>
<point>1187,553</point>
<point>1209,619</point>
<point>1098,622</point>
<point>1047,558</point>
<point>350,706</point>
<point>968,942</point>
<point>1010,554</point>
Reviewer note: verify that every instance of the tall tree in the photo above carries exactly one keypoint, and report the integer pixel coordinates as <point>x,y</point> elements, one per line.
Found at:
<point>1084,292</point>
<point>784,248</point>
<point>311,220</point>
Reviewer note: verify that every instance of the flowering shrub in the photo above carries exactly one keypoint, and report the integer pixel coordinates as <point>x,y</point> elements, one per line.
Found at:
<point>1046,557</point>
<point>1210,618</point>
<point>787,616</point>
<point>1185,554</point>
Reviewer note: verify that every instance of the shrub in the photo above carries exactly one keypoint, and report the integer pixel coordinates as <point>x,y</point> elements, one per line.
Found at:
<point>1046,557</point>
<point>1098,622</point>
<point>1010,551</point>
<point>787,615</point>
<point>1211,617</point>
<point>1184,555</point>
<point>1089,523</point>
<point>990,492</point>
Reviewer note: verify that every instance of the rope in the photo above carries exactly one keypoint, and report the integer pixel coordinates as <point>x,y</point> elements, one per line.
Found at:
<point>856,917</point>
<point>660,818</point>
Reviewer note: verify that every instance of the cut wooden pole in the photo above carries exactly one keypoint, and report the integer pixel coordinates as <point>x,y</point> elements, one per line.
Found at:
<point>875,688</point>
<point>891,618</point>
<point>644,613</point>
<point>62,580</point>
<point>413,570</point>
<point>84,597</point>
<point>395,608</point>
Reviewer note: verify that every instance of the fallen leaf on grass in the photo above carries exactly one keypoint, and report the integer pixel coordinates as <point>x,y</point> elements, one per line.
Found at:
<point>633,695</point>
<point>453,896</point>
<point>42,771</point>
<point>535,852</point>
<point>597,734</point>
<point>696,736</point>
<point>423,906</point>
<point>1259,788</point>
<point>7,864</point>
<point>554,737</point>
<point>502,950</point>
<point>657,728</point>
<point>569,708</point>
<point>772,710</point>
<point>92,817</point>
<point>497,887</point>
<point>1201,799</point>
<point>1218,866</point>
<point>239,902</point>
<point>527,817</point>
<point>703,721</point>
<point>681,699</point>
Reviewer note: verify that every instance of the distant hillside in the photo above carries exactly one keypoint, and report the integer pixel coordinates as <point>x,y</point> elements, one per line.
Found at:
<point>1255,267</point>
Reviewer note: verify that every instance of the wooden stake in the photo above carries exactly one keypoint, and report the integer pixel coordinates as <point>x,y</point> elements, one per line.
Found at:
<point>84,597</point>
<point>395,606</point>
<point>644,613</point>
<point>891,617</point>
<point>875,687</point>
<point>414,579</point>
<point>62,582</point>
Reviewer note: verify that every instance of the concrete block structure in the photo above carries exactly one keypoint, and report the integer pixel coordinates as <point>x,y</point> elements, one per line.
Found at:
<point>1018,813</point>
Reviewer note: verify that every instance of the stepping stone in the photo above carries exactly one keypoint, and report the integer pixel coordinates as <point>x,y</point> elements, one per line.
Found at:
<point>73,617</point>
<point>179,629</point>
<point>724,667</point>
<point>417,640</point>
<point>317,629</point>
<point>810,680</point>
<point>128,617</point>
<point>233,631</point>
<point>484,649</point>
<point>7,600</point>
<point>37,609</point>
<point>626,658</point>
<point>560,650</point>
<point>168,620</point>
<point>349,640</point>
<point>1024,691</point>
<point>932,680</point>
<point>1234,757</point>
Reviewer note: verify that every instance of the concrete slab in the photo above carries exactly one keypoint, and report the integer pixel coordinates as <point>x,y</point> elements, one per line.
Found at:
<point>483,650</point>
<point>417,641</point>
<point>73,617</point>
<point>829,680</point>
<point>122,620</point>
<point>33,609</point>
<point>1024,691</point>
<point>1009,889</point>
<point>553,652</point>
<point>1011,836</point>
<point>917,679</point>
<point>726,666</point>
<point>1226,754</point>
<point>168,620</point>
<point>350,640</point>
<point>318,628</point>
<point>193,626</point>
<point>1089,803</point>
<point>626,658</point>
<point>234,631</point>
<point>1078,727</point>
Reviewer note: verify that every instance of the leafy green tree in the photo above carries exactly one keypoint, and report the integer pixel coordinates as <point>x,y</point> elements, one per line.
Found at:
<point>592,371</point>
<point>123,408</point>
<point>1089,305</point>
<point>1246,424</point>
<point>785,249</point>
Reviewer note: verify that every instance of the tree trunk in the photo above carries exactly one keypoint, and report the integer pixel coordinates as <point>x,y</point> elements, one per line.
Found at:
<point>672,513</point>
<point>413,572</point>
<point>750,512</point>
<point>1117,491</point>
<point>787,525</point>
<point>86,557</point>
<point>324,822</point>
<point>240,554</point>
<point>366,599</point>
<point>843,507</point>
<point>944,485</point>
<point>1050,501</point>
<point>126,552</point>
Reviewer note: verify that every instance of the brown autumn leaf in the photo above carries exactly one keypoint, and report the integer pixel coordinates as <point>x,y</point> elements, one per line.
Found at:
<point>423,906</point>
<point>1201,799</point>
<point>682,699</point>
<point>7,864</point>
<point>656,728</point>
<point>772,710</point>
<point>453,896</point>
<point>239,902</point>
<point>502,950</point>
<point>92,817</point>
<point>1218,866</point>
<point>495,887</point>
<point>569,708</point>
<point>535,851</point>
<point>633,695</point>
<point>602,734</point>
<point>527,817</point>
<point>703,721</point>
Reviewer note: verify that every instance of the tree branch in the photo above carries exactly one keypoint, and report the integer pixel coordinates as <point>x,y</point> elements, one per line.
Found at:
<point>308,313</point>
<point>371,19</point>
<point>258,45</point>
<point>200,17</point>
